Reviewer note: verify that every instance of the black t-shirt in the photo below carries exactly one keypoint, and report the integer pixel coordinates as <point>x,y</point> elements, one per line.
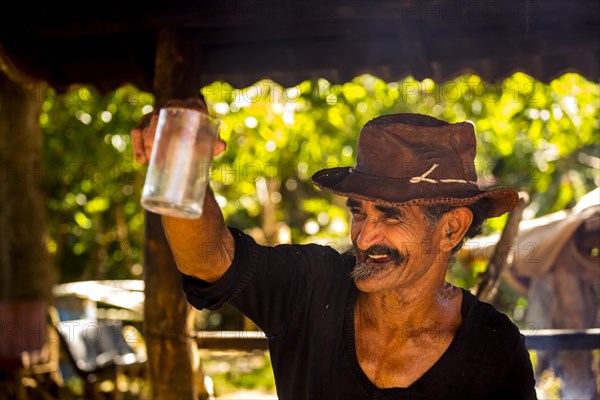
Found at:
<point>302,297</point>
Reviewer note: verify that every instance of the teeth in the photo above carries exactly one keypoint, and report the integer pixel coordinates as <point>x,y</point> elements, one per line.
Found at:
<point>377,256</point>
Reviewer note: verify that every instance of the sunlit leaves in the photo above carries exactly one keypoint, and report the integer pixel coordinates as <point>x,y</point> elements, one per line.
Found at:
<point>535,137</point>
<point>82,220</point>
<point>89,175</point>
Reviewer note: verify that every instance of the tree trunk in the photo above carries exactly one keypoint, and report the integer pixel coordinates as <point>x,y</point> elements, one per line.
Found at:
<point>173,365</point>
<point>26,277</point>
<point>25,272</point>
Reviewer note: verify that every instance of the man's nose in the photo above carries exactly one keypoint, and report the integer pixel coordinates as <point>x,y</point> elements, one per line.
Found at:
<point>368,235</point>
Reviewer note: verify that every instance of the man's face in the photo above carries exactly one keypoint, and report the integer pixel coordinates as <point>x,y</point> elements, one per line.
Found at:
<point>394,247</point>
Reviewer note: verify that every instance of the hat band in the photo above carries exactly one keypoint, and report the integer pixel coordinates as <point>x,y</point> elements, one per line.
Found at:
<point>424,177</point>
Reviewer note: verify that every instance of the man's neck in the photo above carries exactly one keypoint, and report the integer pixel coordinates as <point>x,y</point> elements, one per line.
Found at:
<point>399,338</point>
<point>422,308</point>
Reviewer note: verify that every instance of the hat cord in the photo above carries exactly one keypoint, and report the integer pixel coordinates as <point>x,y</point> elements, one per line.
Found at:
<point>424,178</point>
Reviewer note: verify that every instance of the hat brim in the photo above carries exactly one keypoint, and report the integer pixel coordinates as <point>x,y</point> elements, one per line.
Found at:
<point>345,181</point>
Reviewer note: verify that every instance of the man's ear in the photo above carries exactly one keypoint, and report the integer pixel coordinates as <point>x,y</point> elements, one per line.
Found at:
<point>455,224</point>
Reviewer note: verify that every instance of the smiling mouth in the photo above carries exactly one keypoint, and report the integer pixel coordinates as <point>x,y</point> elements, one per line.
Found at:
<point>379,258</point>
<point>375,261</point>
<point>379,254</point>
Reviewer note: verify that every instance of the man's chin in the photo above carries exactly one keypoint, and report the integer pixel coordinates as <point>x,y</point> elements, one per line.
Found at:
<point>364,272</point>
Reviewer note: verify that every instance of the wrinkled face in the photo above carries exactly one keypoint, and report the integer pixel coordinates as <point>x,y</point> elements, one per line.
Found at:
<point>394,247</point>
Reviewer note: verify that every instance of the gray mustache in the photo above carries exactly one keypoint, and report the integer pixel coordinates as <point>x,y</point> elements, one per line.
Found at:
<point>362,271</point>
<point>378,249</point>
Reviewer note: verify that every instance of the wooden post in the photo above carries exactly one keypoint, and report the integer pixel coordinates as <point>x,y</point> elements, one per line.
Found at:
<point>490,279</point>
<point>26,276</point>
<point>173,366</point>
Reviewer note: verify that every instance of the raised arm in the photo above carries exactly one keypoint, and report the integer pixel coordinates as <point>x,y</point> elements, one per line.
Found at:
<point>204,247</point>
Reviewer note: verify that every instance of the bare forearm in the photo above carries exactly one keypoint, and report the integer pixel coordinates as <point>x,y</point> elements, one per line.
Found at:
<point>203,247</point>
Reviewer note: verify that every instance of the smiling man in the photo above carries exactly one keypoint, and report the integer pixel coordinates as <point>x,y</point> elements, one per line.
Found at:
<point>379,321</point>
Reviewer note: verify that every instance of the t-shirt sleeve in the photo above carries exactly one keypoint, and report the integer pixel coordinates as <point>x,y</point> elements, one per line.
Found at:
<point>519,383</point>
<point>267,284</point>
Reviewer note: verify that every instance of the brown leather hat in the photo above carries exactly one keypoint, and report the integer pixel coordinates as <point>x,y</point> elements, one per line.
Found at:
<point>414,159</point>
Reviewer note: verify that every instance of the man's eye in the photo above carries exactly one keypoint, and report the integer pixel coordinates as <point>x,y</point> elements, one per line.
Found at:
<point>357,215</point>
<point>393,218</point>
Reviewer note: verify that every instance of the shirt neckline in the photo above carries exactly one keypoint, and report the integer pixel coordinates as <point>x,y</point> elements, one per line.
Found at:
<point>352,358</point>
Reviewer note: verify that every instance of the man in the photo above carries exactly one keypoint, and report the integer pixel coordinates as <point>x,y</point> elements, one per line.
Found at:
<point>380,321</point>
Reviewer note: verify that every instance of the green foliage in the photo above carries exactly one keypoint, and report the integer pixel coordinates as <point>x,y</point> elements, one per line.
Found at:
<point>92,182</point>
<point>531,136</point>
<point>251,371</point>
<point>534,137</point>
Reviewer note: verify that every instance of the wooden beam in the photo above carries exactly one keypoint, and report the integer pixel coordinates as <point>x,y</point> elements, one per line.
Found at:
<point>63,20</point>
<point>232,340</point>
<point>173,370</point>
<point>25,270</point>
<point>26,274</point>
<point>538,339</point>
<point>562,339</point>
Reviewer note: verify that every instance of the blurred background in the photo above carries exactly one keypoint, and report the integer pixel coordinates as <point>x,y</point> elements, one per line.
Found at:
<point>80,307</point>
<point>539,138</point>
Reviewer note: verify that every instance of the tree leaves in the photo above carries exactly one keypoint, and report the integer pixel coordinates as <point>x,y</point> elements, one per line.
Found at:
<point>531,136</point>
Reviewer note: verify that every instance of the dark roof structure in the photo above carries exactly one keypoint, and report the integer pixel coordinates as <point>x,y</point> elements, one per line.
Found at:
<point>107,44</point>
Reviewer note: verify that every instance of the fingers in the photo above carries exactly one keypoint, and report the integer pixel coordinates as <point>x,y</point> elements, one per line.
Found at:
<point>137,142</point>
<point>219,147</point>
<point>148,134</point>
<point>173,103</point>
<point>194,103</point>
<point>142,136</point>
